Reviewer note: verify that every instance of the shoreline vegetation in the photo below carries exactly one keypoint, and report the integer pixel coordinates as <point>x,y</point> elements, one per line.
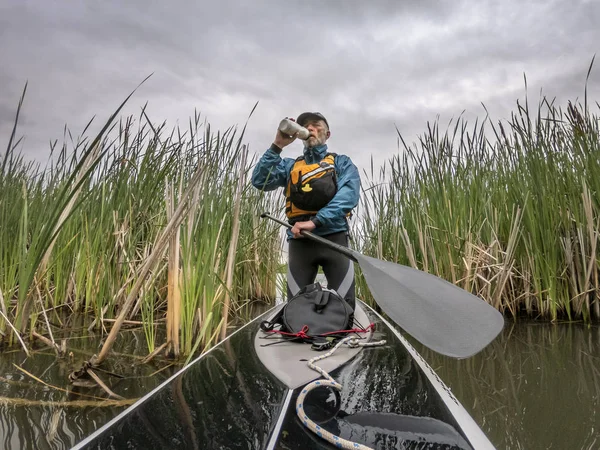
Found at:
<point>514,219</point>
<point>161,228</point>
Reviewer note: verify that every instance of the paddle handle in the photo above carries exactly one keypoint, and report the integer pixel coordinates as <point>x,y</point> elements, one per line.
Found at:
<point>339,248</point>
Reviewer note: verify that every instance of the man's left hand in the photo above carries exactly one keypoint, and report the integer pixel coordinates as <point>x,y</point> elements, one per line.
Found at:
<point>309,225</point>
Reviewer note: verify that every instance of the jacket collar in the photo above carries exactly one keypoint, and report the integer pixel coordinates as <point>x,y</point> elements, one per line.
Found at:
<point>315,154</point>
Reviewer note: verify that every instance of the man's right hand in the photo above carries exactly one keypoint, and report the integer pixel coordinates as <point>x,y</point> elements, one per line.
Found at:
<point>283,140</point>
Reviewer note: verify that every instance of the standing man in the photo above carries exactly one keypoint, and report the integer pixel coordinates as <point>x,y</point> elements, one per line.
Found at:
<point>321,190</point>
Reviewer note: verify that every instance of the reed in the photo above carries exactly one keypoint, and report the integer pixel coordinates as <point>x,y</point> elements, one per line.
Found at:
<point>507,210</point>
<point>82,235</point>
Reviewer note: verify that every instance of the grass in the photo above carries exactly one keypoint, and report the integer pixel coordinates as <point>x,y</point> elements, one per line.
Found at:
<point>509,211</point>
<point>79,234</point>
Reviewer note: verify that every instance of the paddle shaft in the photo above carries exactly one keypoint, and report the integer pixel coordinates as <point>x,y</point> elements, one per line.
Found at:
<point>339,248</point>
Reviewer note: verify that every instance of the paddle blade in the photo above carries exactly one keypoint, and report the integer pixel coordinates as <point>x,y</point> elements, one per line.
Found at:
<point>440,315</point>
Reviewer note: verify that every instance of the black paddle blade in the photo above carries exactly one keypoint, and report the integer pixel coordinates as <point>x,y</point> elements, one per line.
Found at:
<point>440,315</point>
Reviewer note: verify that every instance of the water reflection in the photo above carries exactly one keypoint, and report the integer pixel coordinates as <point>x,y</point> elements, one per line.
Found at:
<point>536,387</point>
<point>56,415</point>
<point>219,402</point>
<point>386,402</point>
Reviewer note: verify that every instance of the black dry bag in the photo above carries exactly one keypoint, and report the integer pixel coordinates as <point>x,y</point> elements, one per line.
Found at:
<point>319,311</point>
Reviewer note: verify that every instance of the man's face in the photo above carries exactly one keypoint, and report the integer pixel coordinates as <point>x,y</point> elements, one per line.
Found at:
<point>319,133</point>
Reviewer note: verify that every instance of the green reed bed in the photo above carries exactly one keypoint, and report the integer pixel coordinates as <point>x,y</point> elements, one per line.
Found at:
<point>78,234</point>
<point>509,211</point>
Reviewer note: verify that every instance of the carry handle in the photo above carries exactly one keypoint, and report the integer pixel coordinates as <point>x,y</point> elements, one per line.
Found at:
<point>321,300</point>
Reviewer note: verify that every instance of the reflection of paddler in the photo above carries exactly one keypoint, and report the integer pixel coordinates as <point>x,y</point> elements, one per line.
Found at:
<point>321,190</point>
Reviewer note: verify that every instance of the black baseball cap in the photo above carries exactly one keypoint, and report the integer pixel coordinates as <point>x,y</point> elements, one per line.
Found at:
<point>305,117</point>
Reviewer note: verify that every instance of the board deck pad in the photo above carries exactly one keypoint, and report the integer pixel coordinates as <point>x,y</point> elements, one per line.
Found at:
<point>287,360</point>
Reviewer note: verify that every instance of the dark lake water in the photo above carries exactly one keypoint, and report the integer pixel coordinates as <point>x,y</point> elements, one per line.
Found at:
<point>536,387</point>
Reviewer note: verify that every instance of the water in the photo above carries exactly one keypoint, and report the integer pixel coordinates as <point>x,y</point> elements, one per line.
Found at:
<point>536,387</point>
<point>56,415</point>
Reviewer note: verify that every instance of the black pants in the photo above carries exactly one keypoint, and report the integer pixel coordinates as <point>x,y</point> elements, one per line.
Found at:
<point>305,257</point>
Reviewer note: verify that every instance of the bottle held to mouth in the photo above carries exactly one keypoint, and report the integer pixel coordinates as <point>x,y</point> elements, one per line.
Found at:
<point>290,127</point>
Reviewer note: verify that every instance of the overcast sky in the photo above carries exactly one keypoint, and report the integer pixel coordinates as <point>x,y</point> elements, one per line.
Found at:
<point>368,66</point>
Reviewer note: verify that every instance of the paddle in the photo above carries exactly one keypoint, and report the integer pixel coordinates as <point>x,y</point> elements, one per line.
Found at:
<point>440,315</point>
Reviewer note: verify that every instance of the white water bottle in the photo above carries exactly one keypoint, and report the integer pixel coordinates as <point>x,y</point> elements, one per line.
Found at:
<point>290,127</point>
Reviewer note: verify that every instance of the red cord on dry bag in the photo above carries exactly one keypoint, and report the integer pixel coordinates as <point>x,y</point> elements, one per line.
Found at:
<point>353,330</point>
<point>300,334</point>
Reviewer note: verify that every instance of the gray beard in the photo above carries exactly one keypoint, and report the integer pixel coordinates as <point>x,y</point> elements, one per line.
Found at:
<point>311,139</point>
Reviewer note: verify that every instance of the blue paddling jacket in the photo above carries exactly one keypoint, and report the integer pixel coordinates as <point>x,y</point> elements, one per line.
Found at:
<point>273,171</point>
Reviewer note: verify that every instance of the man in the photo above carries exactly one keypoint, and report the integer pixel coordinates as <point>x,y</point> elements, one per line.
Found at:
<point>321,190</point>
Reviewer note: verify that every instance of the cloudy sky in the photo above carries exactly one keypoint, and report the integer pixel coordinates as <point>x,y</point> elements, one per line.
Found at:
<point>368,66</point>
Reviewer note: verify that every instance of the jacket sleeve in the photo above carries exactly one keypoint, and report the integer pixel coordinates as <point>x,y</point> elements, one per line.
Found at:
<point>271,171</point>
<point>347,196</point>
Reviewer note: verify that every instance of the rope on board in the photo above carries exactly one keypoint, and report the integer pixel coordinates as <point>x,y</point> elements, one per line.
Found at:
<point>351,342</point>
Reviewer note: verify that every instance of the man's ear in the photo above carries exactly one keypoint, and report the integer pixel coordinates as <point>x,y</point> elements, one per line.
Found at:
<point>328,134</point>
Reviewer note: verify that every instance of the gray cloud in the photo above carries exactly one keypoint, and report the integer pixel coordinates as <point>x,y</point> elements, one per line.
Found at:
<point>369,66</point>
